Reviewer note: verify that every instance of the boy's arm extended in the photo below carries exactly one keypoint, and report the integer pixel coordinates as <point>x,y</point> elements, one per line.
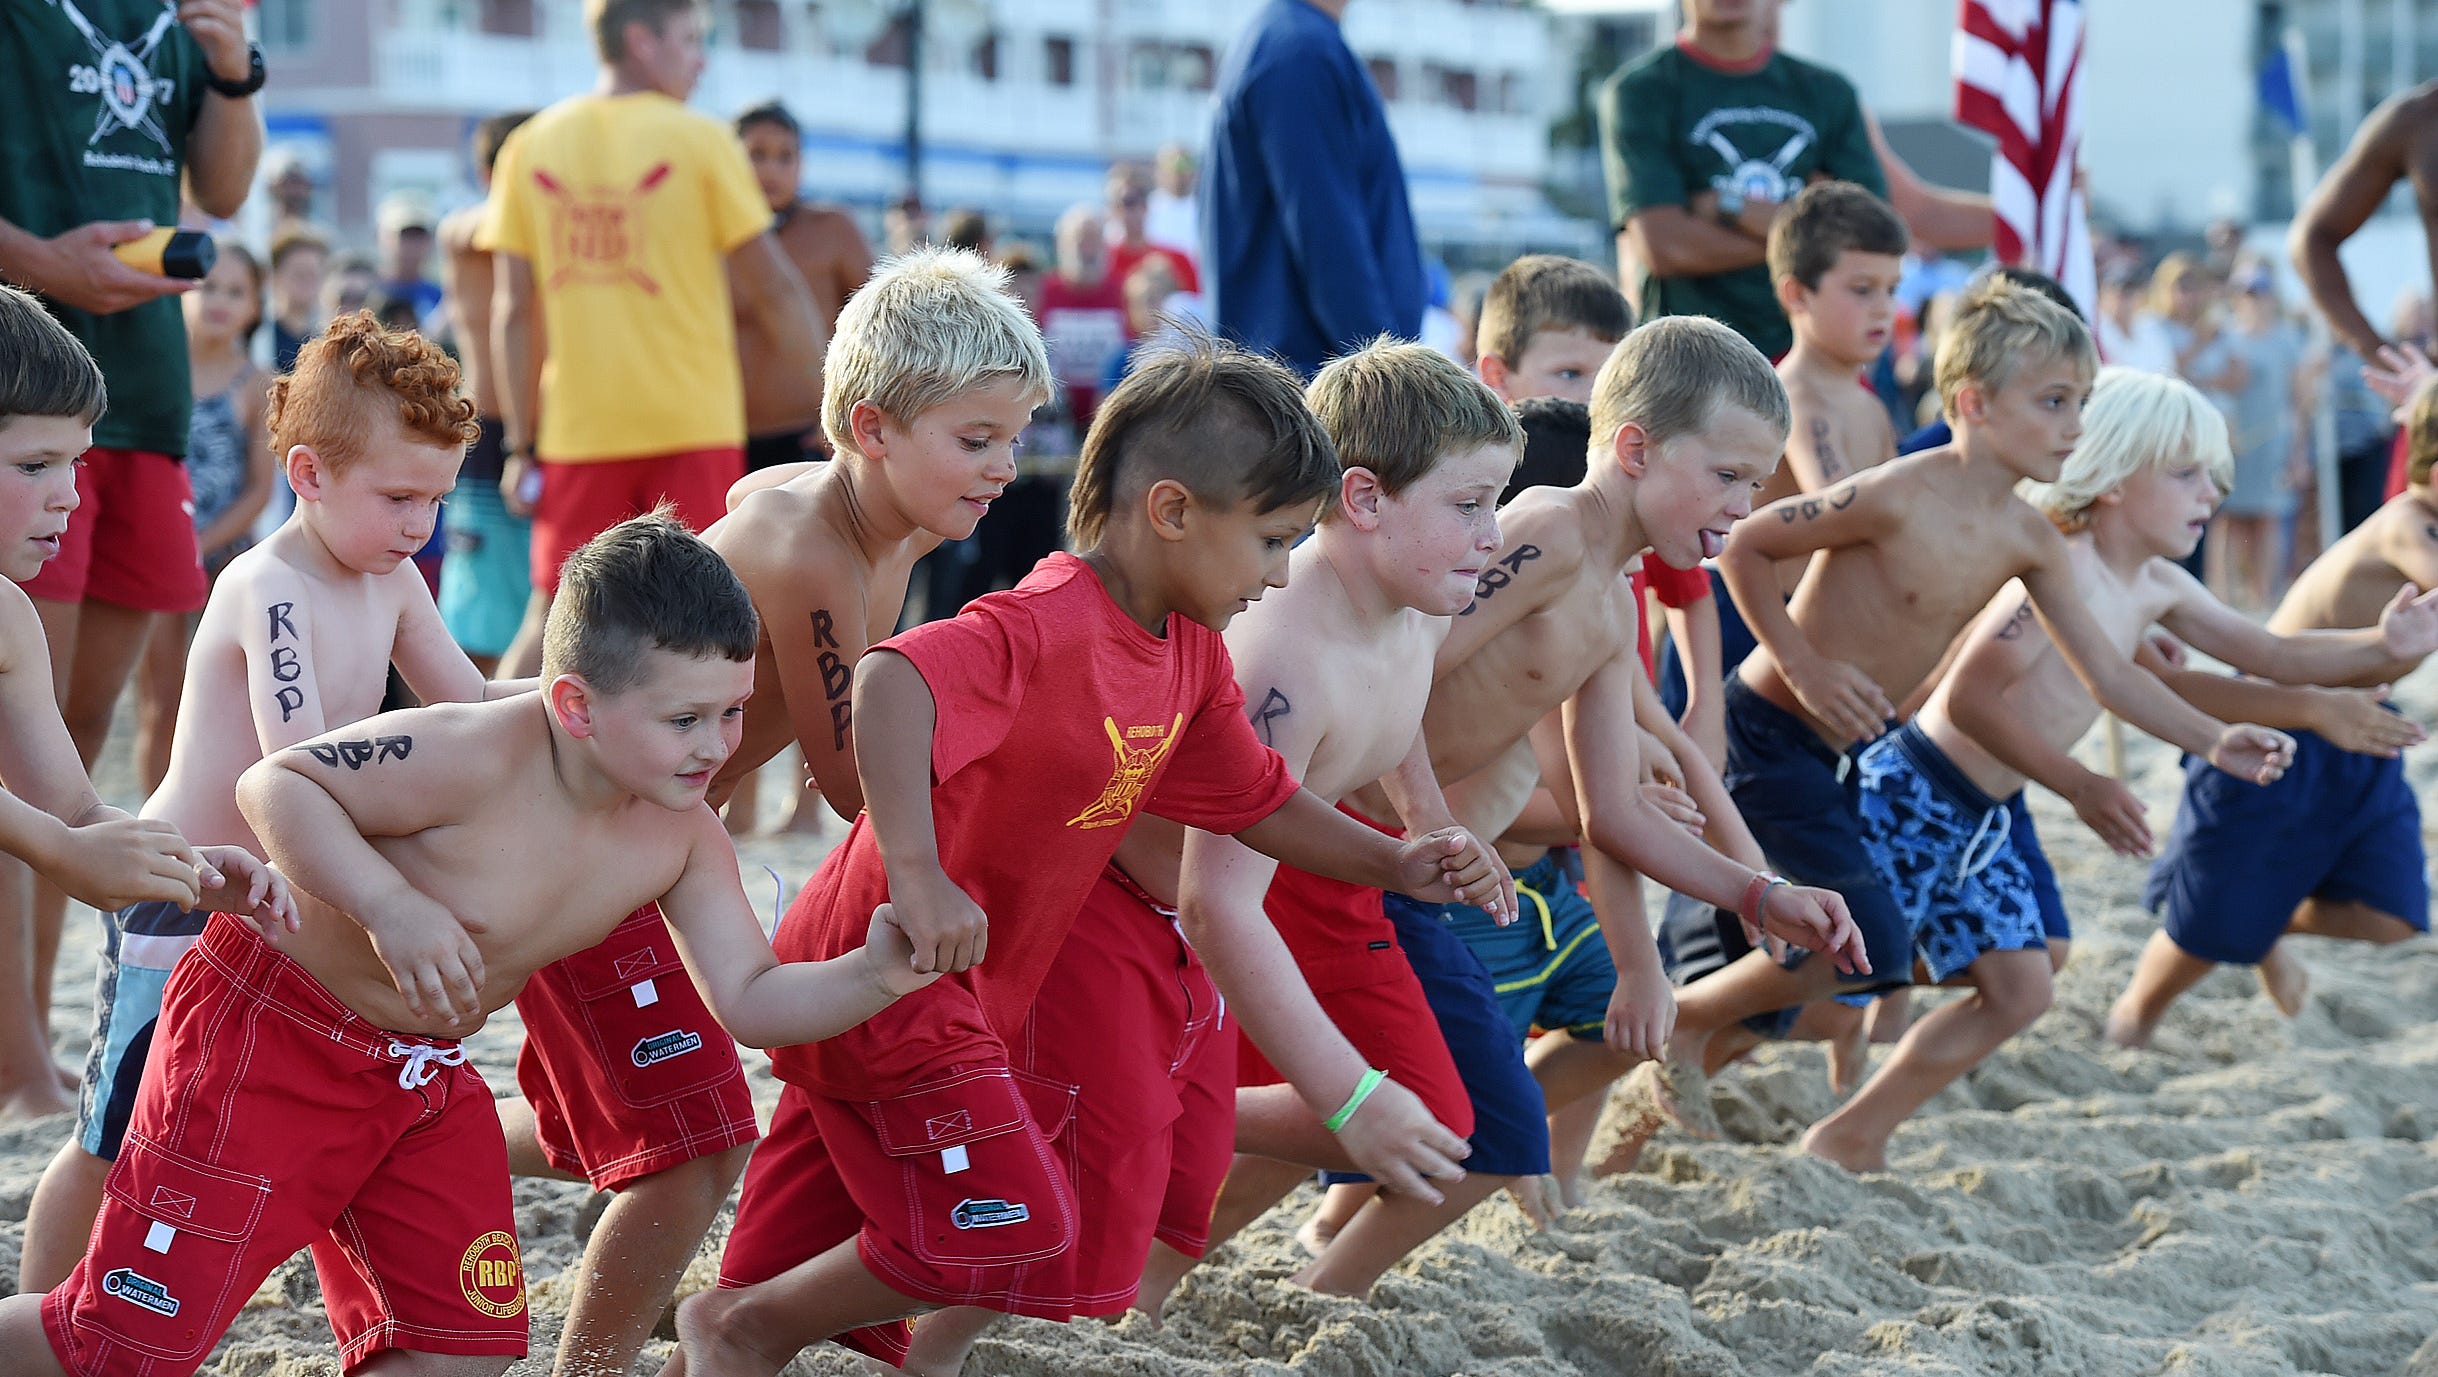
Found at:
<point>1221,886</point>
<point>2351,719</point>
<point>892,739</point>
<point>1628,833</point>
<point>393,775</point>
<point>1997,652</point>
<point>1855,512</point>
<point>761,1000</point>
<point>2407,630</point>
<point>814,618</point>
<point>427,656</point>
<point>2128,690</point>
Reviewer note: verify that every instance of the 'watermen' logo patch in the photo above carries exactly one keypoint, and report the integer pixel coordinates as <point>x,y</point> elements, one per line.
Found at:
<point>661,1047</point>
<point>492,1275</point>
<point>140,1291</point>
<point>988,1214</point>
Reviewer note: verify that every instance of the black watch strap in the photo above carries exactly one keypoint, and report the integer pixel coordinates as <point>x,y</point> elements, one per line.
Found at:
<point>239,90</point>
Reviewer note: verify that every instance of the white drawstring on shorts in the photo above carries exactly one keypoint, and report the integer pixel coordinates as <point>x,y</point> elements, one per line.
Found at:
<point>1970,865</point>
<point>423,1061</point>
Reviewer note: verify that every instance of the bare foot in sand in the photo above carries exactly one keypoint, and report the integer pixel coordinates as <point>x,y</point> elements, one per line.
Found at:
<point>1640,1106</point>
<point>40,1100</point>
<point>1538,1198</point>
<point>1849,1056</point>
<point>1683,1087</point>
<point>2126,1028</point>
<point>704,1344</point>
<point>1890,1015</point>
<point>1854,1154</point>
<point>1317,1233</point>
<point>2286,980</point>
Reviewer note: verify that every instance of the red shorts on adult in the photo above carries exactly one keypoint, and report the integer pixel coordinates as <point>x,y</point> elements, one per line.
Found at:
<point>271,1118</point>
<point>581,500</point>
<point>627,1071</point>
<point>1129,1017</point>
<point>131,542</point>
<point>1348,952</point>
<point>959,1191</point>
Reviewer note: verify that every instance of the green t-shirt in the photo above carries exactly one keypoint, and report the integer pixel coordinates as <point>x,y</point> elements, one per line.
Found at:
<point>103,94</point>
<point>1672,125</point>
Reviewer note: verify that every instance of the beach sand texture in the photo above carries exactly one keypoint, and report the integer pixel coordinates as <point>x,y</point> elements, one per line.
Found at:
<point>2253,1197</point>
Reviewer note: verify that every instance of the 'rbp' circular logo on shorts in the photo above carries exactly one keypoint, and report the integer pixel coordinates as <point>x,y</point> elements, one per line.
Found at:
<point>493,1276</point>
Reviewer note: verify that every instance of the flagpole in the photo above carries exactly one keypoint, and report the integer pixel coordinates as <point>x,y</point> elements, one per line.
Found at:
<point>2303,164</point>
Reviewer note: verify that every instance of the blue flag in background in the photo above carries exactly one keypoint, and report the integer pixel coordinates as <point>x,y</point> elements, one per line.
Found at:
<point>2280,94</point>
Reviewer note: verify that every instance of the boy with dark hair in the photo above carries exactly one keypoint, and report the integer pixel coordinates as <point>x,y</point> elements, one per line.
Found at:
<point>1834,258</point>
<point>306,1095</point>
<point>51,393</point>
<point>485,579</point>
<point>2334,851</point>
<point>1906,555</point>
<point>1004,752</point>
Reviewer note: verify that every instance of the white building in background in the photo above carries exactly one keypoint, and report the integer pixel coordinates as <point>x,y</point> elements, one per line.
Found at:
<point>1024,102</point>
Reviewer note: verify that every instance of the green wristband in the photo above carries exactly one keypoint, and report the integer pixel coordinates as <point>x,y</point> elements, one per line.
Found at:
<point>1362,1091</point>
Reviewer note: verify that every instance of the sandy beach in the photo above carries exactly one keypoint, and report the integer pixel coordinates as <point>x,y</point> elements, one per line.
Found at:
<point>2253,1197</point>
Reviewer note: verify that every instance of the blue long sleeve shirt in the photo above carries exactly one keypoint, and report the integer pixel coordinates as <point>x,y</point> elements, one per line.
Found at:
<point>1310,238</point>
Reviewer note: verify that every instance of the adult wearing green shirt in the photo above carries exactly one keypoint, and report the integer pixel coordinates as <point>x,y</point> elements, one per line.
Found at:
<point>115,109</point>
<point>1703,141</point>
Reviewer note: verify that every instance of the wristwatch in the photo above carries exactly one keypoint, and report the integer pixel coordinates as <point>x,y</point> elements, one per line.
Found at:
<point>1730,210</point>
<point>239,90</point>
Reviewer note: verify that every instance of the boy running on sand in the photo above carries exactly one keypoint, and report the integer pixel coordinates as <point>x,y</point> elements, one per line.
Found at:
<point>1942,808</point>
<point>1906,555</point>
<point>1423,450</point>
<point>50,816</point>
<point>1687,420</point>
<point>298,639</point>
<point>2334,851</point>
<point>1002,753</point>
<point>297,1095</point>
<point>933,373</point>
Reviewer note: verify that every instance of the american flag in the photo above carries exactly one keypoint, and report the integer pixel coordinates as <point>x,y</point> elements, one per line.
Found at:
<point>2018,79</point>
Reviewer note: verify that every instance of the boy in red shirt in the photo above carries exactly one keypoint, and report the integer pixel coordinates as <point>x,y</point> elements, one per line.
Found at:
<point>910,1167</point>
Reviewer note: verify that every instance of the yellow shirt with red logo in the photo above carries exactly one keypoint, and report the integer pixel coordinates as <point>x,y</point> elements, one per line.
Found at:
<point>627,207</point>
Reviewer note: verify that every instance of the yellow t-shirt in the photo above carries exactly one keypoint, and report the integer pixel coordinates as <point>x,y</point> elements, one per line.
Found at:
<point>627,207</point>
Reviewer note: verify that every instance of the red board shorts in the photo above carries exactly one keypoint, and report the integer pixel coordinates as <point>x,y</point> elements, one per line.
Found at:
<point>627,1071</point>
<point>1129,1017</point>
<point>581,500</point>
<point>957,1191</point>
<point>131,542</point>
<point>389,1165</point>
<point>1347,949</point>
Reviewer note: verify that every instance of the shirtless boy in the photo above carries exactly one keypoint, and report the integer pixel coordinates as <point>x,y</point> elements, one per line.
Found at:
<point>1687,420</point>
<point>298,639</point>
<point>1835,257</point>
<point>50,816</point>
<point>1902,558</point>
<point>934,371</point>
<point>1942,807</point>
<point>301,1095</point>
<point>820,241</point>
<point>484,580</point>
<point>985,744</point>
<point>2336,850</point>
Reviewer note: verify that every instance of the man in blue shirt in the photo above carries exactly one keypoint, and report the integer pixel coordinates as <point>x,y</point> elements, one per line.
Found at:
<point>1309,238</point>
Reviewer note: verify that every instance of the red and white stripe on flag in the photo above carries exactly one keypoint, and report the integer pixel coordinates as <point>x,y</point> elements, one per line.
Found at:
<point>2018,79</point>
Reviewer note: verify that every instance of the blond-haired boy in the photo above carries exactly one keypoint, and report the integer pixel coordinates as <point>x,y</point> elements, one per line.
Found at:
<point>1942,796</point>
<point>1902,558</point>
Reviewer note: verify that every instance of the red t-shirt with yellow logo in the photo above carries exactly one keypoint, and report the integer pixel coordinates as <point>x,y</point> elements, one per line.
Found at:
<point>627,207</point>
<point>1059,719</point>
